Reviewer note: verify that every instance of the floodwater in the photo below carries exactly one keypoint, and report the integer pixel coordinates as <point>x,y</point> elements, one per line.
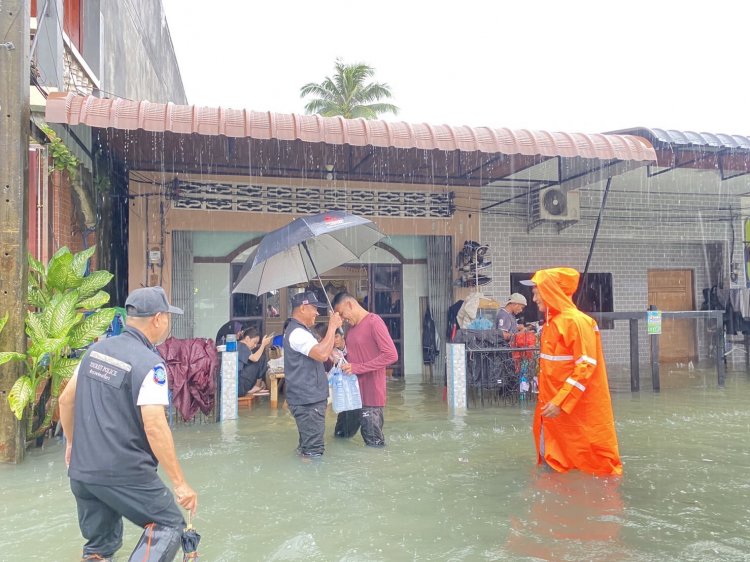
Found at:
<point>446,488</point>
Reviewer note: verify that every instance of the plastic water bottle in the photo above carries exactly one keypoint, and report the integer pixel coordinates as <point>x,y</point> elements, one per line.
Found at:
<point>337,389</point>
<point>523,387</point>
<point>231,342</point>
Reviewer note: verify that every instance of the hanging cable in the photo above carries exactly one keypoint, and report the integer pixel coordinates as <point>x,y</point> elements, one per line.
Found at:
<point>39,18</point>
<point>596,233</point>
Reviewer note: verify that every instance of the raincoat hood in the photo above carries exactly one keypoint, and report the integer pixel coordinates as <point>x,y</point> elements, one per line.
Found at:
<point>556,287</point>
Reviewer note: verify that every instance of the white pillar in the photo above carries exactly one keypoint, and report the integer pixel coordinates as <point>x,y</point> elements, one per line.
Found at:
<point>456,371</point>
<point>228,399</point>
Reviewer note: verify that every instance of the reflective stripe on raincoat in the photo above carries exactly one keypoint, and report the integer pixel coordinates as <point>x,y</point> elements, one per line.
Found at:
<point>573,376</point>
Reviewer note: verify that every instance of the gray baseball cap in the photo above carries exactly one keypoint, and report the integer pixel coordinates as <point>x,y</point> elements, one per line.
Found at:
<point>517,298</point>
<point>149,301</point>
<point>306,298</point>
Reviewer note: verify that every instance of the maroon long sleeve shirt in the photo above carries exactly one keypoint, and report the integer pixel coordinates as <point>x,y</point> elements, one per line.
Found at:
<point>370,350</point>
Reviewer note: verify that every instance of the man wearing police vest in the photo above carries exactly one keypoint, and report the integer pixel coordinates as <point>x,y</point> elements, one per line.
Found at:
<point>112,412</point>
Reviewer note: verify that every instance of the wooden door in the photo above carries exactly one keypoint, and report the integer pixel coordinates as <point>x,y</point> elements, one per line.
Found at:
<point>673,289</point>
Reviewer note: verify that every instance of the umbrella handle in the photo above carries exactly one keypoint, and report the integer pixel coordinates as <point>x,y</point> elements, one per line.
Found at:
<point>315,269</point>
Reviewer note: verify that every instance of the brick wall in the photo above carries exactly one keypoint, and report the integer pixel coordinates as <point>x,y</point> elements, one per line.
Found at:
<point>75,78</point>
<point>65,229</point>
<point>679,222</point>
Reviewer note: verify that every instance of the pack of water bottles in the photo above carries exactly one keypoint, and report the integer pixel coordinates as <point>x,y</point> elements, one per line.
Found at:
<point>344,390</point>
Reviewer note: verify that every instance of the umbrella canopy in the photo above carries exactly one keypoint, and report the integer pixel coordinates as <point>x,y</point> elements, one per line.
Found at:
<point>299,251</point>
<point>190,540</point>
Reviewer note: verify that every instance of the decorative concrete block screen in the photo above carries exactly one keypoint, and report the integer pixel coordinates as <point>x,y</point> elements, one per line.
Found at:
<point>311,200</point>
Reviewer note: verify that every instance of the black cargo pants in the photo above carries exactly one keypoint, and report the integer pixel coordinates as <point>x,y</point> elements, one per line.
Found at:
<point>101,509</point>
<point>311,425</point>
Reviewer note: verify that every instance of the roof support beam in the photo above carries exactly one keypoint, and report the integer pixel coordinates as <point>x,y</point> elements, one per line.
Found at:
<point>722,173</point>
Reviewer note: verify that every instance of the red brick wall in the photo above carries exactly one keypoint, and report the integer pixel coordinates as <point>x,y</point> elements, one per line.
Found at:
<point>66,224</point>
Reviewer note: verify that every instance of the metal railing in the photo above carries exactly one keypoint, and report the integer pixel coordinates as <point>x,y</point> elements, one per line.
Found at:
<point>634,318</point>
<point>495,371</point>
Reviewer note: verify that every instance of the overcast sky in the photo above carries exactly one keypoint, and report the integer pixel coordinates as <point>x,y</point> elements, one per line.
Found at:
<point>554,65</point>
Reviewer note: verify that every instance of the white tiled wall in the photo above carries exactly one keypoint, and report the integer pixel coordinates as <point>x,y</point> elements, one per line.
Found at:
<point>211,298</point>
<point>415,286</point>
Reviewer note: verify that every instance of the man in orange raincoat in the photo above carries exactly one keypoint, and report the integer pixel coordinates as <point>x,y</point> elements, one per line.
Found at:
<point>573,424</point>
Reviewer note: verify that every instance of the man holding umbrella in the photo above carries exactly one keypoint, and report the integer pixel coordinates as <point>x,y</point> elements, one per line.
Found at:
<point>306,380</point>
<point>297,253</point>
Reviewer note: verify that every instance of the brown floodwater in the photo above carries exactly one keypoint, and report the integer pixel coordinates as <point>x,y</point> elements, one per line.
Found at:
<point>446,487</point>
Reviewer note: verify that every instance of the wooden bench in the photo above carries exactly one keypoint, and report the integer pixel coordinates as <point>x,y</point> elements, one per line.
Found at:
<point>245,401</point>
<point>274,378</point>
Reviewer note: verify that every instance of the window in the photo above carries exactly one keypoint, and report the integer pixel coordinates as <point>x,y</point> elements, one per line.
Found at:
<point>596,292</point>
<point>245,307</point>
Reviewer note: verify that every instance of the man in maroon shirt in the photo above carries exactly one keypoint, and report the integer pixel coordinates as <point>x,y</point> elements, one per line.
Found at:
<point>370,350</point>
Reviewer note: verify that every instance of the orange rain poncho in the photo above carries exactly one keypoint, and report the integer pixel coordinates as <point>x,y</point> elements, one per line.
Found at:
<point>573,376</point>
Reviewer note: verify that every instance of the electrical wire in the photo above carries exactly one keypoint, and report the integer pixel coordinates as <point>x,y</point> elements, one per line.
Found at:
<point>38,27</point>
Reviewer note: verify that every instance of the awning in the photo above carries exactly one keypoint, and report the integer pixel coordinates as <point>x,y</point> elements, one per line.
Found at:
<point>180,138</point>
<point>729,154</point>
<point>187,119</point>
<point>690,138</point>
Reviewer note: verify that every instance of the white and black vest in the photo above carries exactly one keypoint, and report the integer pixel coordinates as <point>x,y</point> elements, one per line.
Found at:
<point>306,379</point>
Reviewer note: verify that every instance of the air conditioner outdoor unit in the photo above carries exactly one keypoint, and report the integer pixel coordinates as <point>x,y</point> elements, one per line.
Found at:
<point>558,205</point>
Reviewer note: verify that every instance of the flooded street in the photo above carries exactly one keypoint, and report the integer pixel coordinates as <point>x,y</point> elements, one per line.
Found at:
<point>214,193</point>
<point>445,488</point>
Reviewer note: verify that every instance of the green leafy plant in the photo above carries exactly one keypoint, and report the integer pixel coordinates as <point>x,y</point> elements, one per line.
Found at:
<point>65,315</point>
<point>62,157</point>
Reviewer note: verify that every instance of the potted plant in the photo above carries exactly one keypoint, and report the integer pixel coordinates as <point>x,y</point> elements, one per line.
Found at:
<point>64,316</point>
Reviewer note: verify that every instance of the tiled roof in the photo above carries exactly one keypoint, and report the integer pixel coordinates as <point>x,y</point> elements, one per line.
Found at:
<point>213,121</point>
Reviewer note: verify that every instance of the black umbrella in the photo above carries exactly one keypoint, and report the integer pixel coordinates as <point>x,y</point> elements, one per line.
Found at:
<point>190,540</point>
<point>299,251</point>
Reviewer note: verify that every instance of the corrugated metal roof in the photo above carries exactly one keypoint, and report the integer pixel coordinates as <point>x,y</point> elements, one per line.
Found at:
<point>213,121</point>
<point>690,138</point>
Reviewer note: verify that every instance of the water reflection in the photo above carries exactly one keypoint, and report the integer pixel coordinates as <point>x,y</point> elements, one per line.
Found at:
<point>445,488</point>
<point>569,516</point>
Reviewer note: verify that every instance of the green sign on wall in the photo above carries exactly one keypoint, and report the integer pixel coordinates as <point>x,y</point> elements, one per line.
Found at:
<point>653,322</point>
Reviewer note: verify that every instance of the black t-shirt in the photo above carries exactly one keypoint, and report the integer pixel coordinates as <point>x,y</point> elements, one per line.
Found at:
<point>249,371</point>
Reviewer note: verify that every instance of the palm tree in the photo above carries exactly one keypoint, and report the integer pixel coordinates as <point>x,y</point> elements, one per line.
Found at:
<point>346,93</point>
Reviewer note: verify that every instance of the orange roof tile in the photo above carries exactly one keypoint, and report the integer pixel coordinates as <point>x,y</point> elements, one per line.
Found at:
<point>211,121</point>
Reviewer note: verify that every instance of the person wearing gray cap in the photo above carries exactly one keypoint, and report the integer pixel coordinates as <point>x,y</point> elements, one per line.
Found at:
<point>306,380</point>
<point>506,316</point>
<point>112,413</point>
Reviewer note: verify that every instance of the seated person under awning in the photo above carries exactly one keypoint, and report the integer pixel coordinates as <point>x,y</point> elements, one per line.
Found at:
<point>253,361</point>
